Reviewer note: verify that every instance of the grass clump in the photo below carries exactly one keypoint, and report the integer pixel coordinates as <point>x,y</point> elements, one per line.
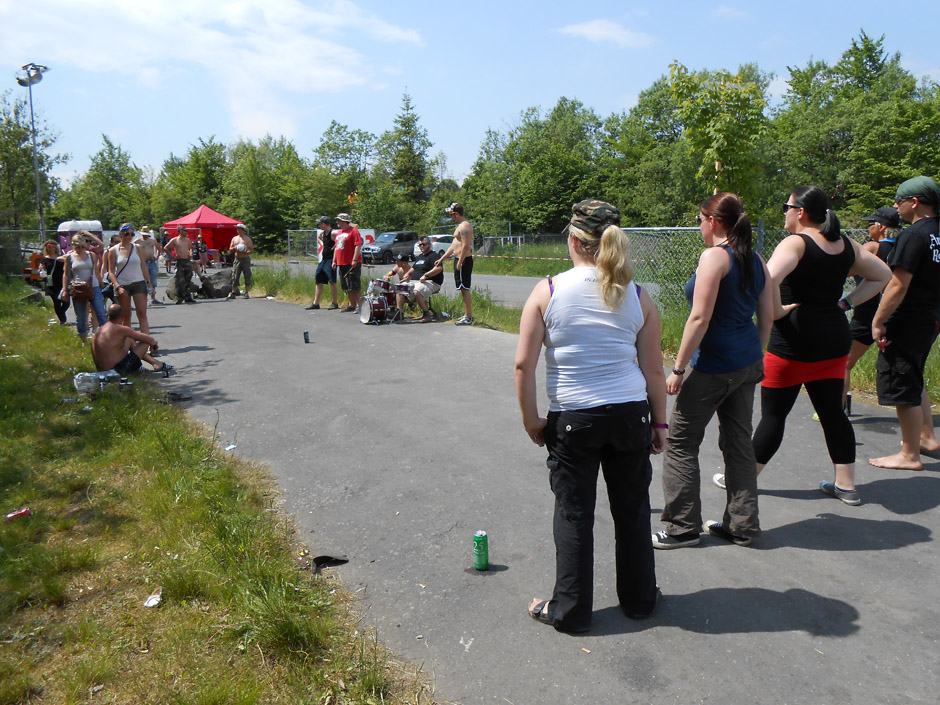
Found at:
<point>127,498</point>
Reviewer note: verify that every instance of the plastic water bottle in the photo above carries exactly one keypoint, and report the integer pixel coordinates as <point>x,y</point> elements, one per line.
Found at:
<point>86,382</point>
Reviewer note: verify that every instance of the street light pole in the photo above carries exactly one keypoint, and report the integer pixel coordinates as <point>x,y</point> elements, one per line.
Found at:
<point>33,74</point>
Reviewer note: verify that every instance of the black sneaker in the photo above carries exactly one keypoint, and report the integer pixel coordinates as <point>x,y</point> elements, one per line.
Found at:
<point>332,307</point>
<point>426,317</point>
<point>665,541</point>
<point>311,307</point>
<point>716,528</point>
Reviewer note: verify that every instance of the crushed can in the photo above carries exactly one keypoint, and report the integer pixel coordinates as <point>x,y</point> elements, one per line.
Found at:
<point>481,551</point>
<point>306,336</point>
<point>19,513</point>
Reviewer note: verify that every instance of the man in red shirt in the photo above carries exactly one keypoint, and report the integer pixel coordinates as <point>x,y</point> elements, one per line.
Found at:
<point>347,259</point>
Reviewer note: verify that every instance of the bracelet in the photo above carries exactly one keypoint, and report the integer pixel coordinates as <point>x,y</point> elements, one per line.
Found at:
<point>676,371</point>
<point>659,425</point>
<point>845,304</point>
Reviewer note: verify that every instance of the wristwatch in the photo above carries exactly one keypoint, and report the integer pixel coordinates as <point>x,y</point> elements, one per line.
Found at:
<point>676,371</point>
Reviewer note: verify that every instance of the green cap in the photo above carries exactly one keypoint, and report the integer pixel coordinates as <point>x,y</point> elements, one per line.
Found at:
<point>593,216</point>
<point>923,187</point>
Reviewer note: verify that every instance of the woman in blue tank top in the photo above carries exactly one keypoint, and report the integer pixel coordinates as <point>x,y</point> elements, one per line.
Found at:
<point>724,350</point>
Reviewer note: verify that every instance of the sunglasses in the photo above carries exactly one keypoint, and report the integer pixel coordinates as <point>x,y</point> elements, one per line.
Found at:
<point>701,218</point>
<point>788,206</point>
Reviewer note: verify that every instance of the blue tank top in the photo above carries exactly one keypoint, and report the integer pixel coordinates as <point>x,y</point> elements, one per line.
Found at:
<point>731,341</point>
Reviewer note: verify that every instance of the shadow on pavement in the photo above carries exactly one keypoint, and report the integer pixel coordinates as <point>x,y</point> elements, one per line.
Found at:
<point>834,532</point>
<point>738,611</point>
<point>904,494</point>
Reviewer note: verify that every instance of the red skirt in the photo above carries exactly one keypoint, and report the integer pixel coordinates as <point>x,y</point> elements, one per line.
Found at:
<point>780,372</point>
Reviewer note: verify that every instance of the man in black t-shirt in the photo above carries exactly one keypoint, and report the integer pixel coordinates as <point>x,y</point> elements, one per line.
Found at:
<point>427,276</point>
<point>905,325</point>
<point>326,274</point>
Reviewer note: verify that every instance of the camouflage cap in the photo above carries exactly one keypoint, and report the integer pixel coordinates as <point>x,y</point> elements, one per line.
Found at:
<point>923,187</point>
<point>344,217</point>
<point>593,216</point>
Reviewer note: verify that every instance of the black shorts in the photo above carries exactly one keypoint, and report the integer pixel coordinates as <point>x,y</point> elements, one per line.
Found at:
<point>900,366</point>
<point>350,276</point>
<point>861,332</point>
<point>462,275</point>
<point>130,363</point>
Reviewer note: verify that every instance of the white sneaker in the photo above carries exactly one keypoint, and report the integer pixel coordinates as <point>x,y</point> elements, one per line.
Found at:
<point>464,321</point>
<point>719,479</point>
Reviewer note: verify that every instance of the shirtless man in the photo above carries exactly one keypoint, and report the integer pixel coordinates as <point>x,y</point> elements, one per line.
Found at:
<point>113,346</point>
<point>150,250</point>
<point>184,264</point>
<point>462,249</point>
<point>242,246</point>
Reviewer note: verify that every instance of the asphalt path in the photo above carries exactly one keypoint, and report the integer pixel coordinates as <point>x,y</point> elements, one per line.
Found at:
<point>394,444</point>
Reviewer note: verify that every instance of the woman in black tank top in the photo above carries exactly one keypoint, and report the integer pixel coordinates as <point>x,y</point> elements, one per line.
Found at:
<point>809,345</point>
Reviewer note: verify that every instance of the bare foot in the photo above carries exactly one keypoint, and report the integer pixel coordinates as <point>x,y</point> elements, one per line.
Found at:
<point>896,462</point>
<point>929,445</point>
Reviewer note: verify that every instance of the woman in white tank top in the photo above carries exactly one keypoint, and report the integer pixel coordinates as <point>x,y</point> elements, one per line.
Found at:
<point>128,273</point>
<point>607,409</point>
<point>81,265</point>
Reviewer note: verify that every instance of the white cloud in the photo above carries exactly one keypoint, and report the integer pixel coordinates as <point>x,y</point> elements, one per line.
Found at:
<point>608,31</point>
<point>251,50</point>
<point>728,13</point>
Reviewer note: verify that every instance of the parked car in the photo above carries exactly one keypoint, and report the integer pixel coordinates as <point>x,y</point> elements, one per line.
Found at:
<point>439,244</point>
<point>387,246</point>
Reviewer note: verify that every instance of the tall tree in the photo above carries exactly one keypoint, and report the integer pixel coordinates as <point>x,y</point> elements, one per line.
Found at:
<point>185,184</point>
<point>17,182</point>
<point>403,152</point>
<point>723,119</point>
<point>553,163</point>
<point>113,190</point>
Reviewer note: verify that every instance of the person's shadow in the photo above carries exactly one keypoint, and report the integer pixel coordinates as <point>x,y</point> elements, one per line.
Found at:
<point>738,611</point>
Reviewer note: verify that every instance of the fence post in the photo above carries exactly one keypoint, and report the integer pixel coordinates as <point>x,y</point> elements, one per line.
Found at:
<point>760,237</point>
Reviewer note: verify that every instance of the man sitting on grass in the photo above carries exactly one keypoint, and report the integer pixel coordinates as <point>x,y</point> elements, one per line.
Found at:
<point>113,346</point>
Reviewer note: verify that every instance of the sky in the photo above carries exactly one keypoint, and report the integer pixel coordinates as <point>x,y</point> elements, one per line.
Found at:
<point>156,76</point>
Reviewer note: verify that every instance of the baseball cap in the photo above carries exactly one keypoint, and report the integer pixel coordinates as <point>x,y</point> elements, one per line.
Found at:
<point>593,216</point>
<point>344,217</point>
<point>324,219</point>
<point>402,257</point>
<point>885,215</point>
<point>923,187</point>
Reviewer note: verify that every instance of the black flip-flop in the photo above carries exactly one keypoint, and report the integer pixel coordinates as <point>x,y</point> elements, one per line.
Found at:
<point>538,614</point>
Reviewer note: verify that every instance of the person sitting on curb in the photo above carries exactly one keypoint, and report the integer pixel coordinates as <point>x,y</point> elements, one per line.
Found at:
<point>113,346</point>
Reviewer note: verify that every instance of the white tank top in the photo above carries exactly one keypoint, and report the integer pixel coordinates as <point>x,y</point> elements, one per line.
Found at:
<point>590,351</point>
<point>130,272</point>
<point>82,270</point>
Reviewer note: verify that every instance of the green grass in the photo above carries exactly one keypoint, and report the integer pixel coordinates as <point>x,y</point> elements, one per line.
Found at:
<point>126,497</point>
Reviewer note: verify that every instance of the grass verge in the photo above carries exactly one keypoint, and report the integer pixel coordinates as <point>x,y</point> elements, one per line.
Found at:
<point>127,497</point>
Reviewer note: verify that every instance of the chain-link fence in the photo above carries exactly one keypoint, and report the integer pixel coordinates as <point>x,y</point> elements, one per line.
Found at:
<point>302,244</point>
<point>15,249</point>
<point>664,257</point>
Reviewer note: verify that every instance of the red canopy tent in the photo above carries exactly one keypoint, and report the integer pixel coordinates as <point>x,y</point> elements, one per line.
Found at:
<point>217,229</point>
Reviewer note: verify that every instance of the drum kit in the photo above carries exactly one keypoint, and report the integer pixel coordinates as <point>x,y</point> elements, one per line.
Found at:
<point>378,305</point>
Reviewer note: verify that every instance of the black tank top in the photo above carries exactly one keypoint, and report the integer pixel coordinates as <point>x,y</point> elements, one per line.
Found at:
<point>817,329</point>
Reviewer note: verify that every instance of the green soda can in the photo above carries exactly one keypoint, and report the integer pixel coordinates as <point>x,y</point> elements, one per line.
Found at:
<point>481,552</point>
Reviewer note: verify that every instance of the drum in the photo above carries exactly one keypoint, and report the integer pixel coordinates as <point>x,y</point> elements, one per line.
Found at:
<point>404,288</point>
<point>378,286</point>
<point>373,309</point>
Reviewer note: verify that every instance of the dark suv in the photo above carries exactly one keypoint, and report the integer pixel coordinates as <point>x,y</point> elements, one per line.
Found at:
<point>387,246</point>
